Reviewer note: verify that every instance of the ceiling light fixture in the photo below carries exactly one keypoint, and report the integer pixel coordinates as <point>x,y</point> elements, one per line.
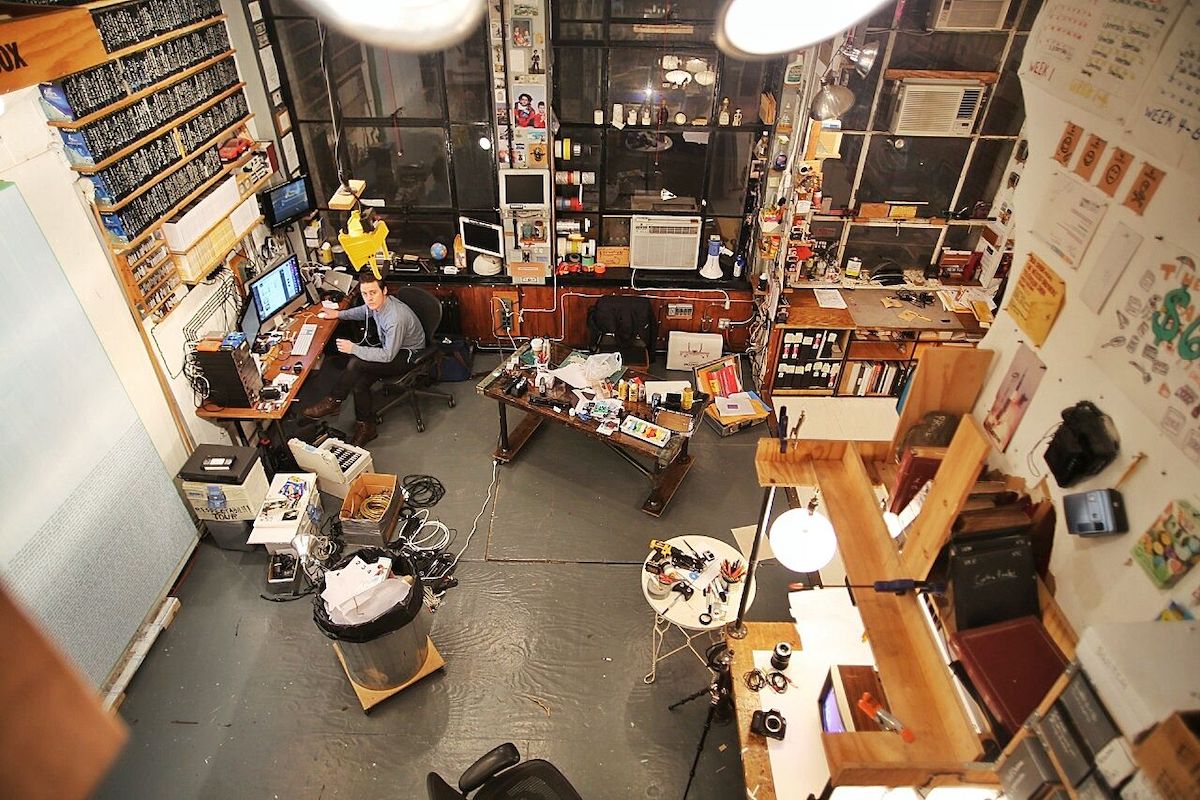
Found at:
<point>757,29</point>
<point>831,101</point>
<point>414,26</point>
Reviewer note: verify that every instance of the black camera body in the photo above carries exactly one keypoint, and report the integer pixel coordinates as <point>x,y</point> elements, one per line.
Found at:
<point>1083,445</point>
<point>768,723</point>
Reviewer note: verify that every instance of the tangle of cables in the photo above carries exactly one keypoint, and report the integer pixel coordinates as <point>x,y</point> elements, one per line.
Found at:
<point>423,491</point>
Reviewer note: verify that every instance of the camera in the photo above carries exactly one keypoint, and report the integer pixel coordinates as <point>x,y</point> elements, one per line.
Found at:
<point>768,723</point>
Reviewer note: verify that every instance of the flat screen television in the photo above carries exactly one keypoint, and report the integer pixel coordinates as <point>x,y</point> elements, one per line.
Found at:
<point>525,188</point>
<point>284,204</point>
<point>482,237</point>
<point>277,291</point>
<point>833,718</point>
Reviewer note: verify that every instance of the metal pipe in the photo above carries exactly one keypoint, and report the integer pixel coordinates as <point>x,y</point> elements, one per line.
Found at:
<point>737,628</point>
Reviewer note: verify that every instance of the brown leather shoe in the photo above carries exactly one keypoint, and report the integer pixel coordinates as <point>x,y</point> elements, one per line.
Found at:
<point>363,433</point>
<point>323,409</point>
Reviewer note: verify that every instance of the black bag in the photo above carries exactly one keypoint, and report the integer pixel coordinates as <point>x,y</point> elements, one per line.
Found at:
<point>1084,444</point>
<point>455,359</point>
<point>392,620</point>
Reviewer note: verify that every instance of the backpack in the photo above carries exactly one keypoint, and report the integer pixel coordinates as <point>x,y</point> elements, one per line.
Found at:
<point>455,359</point>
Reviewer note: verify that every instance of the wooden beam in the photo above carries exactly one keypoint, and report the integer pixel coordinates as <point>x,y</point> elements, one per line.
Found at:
<point>43,45</point>
<point>940,74</point>
<point>916,679</point>
<point>952,484</point>
<point>947,379</point>
<point>794,468</point>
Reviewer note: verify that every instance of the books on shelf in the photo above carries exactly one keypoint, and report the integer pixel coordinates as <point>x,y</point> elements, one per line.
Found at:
<point>866,378</point>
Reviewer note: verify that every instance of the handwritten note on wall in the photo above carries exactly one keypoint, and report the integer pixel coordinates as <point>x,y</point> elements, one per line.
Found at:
<point>1097,54</point>
<point>1036,299</point>
<point>1168,119</point>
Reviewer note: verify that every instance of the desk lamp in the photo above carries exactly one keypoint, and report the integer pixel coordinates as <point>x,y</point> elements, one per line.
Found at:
<point>363,240</point>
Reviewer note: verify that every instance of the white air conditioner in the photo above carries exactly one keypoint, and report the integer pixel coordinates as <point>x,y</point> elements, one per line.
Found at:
<point>936,108</point>
<point>967,15</point>
<point>662,242</point>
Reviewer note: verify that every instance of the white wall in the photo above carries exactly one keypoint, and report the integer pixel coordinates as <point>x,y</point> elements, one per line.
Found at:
<point>1097,581</point>
<point>30,158</point>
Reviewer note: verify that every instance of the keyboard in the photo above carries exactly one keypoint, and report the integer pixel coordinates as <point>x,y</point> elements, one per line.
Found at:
<point>304,339</point>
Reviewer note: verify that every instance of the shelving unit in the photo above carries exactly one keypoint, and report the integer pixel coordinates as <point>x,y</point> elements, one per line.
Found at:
<point>125,178</point>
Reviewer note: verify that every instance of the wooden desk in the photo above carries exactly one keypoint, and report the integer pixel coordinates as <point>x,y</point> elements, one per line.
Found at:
<point>756,763</point>
<point>671,462</point>
<point>279,360</point>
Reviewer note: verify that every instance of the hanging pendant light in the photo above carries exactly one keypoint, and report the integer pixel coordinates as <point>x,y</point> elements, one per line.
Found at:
<point>830,102</point>
<point>863,58</point>
<point>414,26</point>
<point>756,29</point>
<point>802,539</point>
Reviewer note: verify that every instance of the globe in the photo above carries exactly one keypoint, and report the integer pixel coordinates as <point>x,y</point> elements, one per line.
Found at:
<point>438,250</point>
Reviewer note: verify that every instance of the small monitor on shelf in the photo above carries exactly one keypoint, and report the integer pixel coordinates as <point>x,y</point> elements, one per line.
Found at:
<point>482,237</point>
<point>525,188</point>
<point>278,292</point>
<point>248,321</point>
<point>284,204</point>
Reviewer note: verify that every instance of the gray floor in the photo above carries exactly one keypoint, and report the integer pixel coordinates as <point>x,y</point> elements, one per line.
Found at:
<point>546,640</point>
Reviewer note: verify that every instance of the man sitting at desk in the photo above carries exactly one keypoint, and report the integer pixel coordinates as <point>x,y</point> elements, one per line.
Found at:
<point>398,332</point>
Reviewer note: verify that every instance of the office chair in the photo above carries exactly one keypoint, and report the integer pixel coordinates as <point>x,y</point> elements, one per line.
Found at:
<point>414,383</point>
<point>625,324</point>
<point>499,775</point>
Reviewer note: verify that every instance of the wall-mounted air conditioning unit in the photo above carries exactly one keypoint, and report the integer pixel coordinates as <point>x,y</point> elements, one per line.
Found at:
<point>936,107</point>
<point>967,15</point>
<point>661,242</point>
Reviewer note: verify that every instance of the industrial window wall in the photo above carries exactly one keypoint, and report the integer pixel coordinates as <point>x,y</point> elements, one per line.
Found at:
<point>414,126</point>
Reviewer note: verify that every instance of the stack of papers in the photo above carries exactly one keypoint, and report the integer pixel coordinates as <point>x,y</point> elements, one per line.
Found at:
<point>360,592</point>
<point>735,405</point>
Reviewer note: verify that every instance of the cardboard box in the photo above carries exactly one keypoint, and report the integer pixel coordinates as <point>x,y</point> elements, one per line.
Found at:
<point>1170,755</point>
<point>356,530</point>
<point>282,518</point>
<point>527,272</point>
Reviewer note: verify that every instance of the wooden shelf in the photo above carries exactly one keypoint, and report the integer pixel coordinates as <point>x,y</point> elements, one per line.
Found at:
<point>129,100</point>
<point>144,256</point>
<point>178,165</point>
<point>199,190</point>
<point>219,260</point>
<point>940,74</point>
<point>152,311</point>
<point>803,392</point>
<point>162,281</point>
<point>92,169</point>
<point>163,37</point>
<point>880,351</point>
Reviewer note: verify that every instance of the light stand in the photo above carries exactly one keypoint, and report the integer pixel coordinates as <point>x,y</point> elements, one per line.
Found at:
<point>719,692</point>
<point>737,628</point>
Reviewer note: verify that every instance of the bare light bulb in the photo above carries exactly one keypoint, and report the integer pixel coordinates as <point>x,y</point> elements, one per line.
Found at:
<point>414,26</point>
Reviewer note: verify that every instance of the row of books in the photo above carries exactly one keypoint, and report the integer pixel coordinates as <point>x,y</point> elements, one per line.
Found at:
<point>875,377</point>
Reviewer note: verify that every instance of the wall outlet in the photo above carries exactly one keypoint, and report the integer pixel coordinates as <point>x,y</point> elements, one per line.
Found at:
<point>679,310</point>
<point>723,323</point>
<point>506,313</point>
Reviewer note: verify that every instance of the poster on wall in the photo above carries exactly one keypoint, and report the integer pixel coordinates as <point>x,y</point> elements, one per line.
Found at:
<point>1168,119</point>
<point>1171,546</point>
<point>1069,217</point>
<point>1013,397</point>
<point>1036,299</point>
<point>1097,54</point>
<point>1149,342</point>
<point>529,106</point>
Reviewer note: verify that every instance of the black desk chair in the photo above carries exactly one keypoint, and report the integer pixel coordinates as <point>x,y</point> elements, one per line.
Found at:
<point>500,775</point>
<point>624,324</point>
<point>416,381</point>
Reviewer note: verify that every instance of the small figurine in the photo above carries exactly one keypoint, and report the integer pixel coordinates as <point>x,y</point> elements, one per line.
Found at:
<point>723,117</point>
<point>737,117</point>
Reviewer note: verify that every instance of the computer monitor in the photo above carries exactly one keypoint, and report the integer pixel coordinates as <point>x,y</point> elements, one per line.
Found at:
<point>482,237</point>
<point>525,188</point>
<point>288,202</point>
<point>248,322</point>
<point>277,292</point>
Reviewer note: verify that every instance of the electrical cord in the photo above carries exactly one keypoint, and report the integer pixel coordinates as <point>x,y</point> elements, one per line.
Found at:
<point>474,524</point>
<point>423,491</point>
<point>374,506</point>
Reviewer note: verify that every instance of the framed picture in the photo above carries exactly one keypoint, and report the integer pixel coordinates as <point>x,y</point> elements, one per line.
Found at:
<point>522,32</point>
<point>529,107</point>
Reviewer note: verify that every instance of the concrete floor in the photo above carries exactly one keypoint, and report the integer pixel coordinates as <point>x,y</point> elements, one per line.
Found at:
<point>546,639</point>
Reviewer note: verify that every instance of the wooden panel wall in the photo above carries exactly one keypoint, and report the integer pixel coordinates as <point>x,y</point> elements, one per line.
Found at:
<point>569,319</point>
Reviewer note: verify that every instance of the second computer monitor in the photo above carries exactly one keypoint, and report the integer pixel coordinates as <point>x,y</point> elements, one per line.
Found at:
<point>482,237</point>
<point>277,292</point>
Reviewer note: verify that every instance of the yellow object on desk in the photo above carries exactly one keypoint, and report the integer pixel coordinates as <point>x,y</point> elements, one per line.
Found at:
<point>363,248</point>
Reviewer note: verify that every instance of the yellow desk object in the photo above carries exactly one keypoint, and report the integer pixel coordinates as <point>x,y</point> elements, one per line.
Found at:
<point>363,248</point>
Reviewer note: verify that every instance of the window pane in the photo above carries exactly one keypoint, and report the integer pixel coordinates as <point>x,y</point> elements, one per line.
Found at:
<point>1032,7</point>
<point>577,82</point>
<point>858,116</point>
<point>474,167</point>
<point>580,31</point>
<point>580,9</point>
<point>289,8</point>
<point>637,76</point>
<point>1006,113</point>
<point>727,176</point>
<point>317,142</point>
<point>372,82</point>
<point>919,169</point>
<point>882,19</point>
<point>728,228</point>
<point>953,51</point>
<point>658,10</point>
<point>614,232</point>
<point>742,83</point>
<point>467,79</point>
<point>415,235</point>
<point>962,237</point>
<point>680,33</point>
<point>910,248</point>
<point>837,174</point>
<point>643,163</point>
<point>404,167</point>
<point>984,176</point>
<point>301,55</point>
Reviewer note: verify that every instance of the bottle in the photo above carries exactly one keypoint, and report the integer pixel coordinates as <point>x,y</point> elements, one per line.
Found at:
<point>664,113</point>
<point>632,117</point>
<point>622,390</point>
<point>723,117</point>
<point>646,113</point>
<point>737,117</point>
<point>686,401</point>
<point>760,149</point>
<point>739,265</point>
<point>762,280</point>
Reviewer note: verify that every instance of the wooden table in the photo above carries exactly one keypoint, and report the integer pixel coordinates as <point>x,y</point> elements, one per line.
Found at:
<point>279,360</point>
<point>669,463</point>
<point>756,763</point>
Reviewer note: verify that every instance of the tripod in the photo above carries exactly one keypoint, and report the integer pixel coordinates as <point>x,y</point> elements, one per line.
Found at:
<point>720,693</point>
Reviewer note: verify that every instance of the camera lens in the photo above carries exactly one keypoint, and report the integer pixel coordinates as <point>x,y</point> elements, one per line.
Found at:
<point>772,723</point>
